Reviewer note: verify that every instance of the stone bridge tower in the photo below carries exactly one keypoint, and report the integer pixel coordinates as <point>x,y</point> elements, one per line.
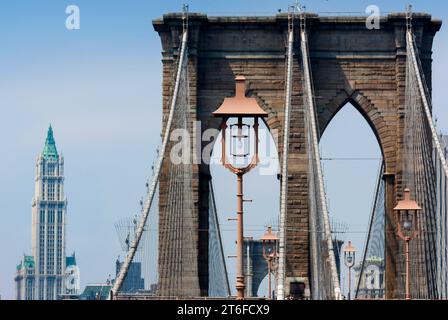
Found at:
<point>349,63</point>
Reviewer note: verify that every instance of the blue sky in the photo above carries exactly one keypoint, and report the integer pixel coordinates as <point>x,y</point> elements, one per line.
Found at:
<point>100,88</point>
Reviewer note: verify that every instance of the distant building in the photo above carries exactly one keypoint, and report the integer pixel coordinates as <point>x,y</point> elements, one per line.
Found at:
<point>150,294</point>
<point>133,281</point>
<point>337,245</point>
<point>370,278</point>
<point>42,275</point>
<point>72,277</point>
<point>255,266</point>
<point>25,278</point>
<point>96,291</point>
<point>338,228</point>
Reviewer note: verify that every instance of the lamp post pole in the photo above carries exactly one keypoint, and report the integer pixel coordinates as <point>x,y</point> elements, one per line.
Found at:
<point>269,279</point>
<point>349,283</point>
<point>408,282</point>
<point>240,286</point>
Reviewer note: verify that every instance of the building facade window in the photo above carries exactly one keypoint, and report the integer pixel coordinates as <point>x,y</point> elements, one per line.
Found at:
<point>58,287</point>
<point>51,217</point>
<point>30,288</point>
<point>50,249</point>
<point>41,248</point>
<point>51,191</point>
<point>60,216</point>
<point>41,216</point>
<point>59,249</point>
<point>50,289</point>
<point>41,288</point>
<point>18,289</point>
<point>50,169</point>
<point>58,191</point>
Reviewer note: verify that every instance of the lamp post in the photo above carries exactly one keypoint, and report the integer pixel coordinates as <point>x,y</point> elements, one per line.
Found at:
<point>349,261</point>
<point>269,242</point>
<point>242,109</point>
<point>406,218</point>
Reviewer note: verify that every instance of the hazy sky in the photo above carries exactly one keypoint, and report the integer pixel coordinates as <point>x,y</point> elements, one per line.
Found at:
<point>100,88</point>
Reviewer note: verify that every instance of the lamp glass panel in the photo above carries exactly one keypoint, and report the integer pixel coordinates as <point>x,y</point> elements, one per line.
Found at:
<point>240,147</point>
<point>269,247</point>
<point>349,258</point>
<point>407,220</point>
<point>240,140</point>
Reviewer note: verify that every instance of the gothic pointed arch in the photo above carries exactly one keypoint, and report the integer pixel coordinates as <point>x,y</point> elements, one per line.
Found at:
<point>367,109</point>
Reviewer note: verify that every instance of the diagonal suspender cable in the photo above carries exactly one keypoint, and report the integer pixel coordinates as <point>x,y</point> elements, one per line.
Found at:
<point>432,199</point>
<point>336,292</point>
<point>284,186</point>
<point>217,229</point>
<point>150,196</point>
<point>426,102</point>
<point>378,201</point>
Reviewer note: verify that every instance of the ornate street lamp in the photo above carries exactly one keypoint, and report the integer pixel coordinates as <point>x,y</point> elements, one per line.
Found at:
<point>269,242</point>
<point>244,110</point>
<point>406,217</point>
<point>349,261</point>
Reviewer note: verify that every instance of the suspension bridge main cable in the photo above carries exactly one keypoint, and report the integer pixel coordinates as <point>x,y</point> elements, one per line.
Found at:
<point>314,144</point>
<point>284,181</point>
<point>426,102</point>
<point>425,130</point>
<point>151,192</point>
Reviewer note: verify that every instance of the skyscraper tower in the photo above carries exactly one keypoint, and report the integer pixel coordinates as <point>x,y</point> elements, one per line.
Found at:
<point>48,215</point>
<point>42,276</point>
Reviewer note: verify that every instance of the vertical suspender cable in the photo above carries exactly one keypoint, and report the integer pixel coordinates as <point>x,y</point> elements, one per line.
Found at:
<point>150,196</point>
<point>284,181</point>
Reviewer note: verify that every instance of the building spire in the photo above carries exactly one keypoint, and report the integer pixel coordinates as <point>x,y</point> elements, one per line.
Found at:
<point>50,146</point>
